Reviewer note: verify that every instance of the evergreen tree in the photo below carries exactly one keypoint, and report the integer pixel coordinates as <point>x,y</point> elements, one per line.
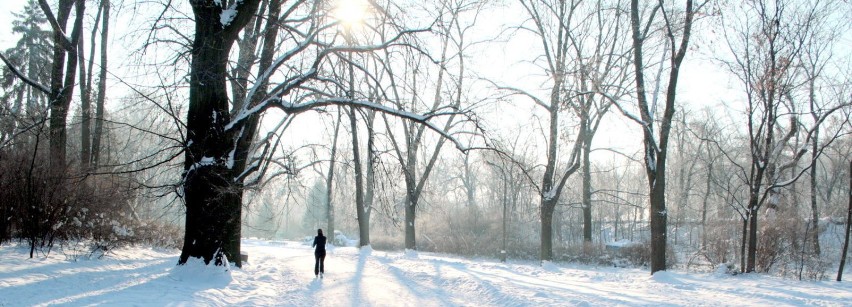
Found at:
<point>31,55</point>
<point>315,208</point>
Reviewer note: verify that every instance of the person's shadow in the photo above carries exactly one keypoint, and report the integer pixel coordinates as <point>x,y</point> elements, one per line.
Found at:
<point>315,285</point>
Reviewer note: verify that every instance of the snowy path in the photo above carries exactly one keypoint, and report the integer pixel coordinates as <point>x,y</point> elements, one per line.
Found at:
<point>281,274</point>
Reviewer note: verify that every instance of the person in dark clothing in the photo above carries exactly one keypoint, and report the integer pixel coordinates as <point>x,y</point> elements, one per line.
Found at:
<point>319,253</point>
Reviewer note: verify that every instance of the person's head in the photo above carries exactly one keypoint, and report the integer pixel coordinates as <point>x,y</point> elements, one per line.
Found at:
<point>319,231</point>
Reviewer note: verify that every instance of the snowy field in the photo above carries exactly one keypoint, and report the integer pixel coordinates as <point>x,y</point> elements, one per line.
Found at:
<point>281,274</point>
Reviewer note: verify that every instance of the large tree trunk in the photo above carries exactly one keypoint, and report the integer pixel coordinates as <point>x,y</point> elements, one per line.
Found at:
<point>213,203</point>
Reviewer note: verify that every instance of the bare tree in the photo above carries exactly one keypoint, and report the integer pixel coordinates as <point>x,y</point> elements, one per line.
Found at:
<point>766,44</point>
<point>816,58</point>
<point>408,150</point>
<point>656,142</point>
<point>597,43</point>
<point>551,24</point>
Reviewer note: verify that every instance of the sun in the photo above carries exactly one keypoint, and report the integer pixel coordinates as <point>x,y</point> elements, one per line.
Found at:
<point>350,13</point>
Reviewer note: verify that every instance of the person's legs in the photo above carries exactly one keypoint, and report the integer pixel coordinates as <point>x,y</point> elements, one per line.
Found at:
<point>322,263</point>
<point>317,265</point>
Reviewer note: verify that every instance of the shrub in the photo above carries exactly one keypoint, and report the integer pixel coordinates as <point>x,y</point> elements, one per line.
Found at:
<point>88,215</point>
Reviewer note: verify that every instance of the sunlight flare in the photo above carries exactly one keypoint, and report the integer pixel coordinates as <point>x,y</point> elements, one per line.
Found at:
<point>350,13</point>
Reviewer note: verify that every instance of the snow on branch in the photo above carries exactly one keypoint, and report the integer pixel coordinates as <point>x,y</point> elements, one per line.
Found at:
<point>284,88</point>
<point>26,80</point>
<point>48,13</point>
<point>275,65</point>
<point>246,112</point>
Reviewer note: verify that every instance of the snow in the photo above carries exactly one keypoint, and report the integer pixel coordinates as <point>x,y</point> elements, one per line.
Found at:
<point>205,161</point>
<point>549,194</point>
<point>227,16</point>
<point>281,274</point>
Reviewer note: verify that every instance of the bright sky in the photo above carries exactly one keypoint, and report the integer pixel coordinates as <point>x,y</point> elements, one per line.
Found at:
<point>701,83</point>
<point>6,17</point>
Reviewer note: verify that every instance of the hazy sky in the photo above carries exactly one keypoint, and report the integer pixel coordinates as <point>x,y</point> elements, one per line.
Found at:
<point>701,83</point>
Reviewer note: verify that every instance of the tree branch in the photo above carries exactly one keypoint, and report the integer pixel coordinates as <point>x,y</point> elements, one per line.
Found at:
<point>33,83</point>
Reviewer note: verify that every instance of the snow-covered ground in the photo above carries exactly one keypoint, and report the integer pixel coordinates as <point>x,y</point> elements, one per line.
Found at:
<point>281,274</point>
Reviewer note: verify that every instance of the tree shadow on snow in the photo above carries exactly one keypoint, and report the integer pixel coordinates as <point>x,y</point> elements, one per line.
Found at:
<point>419,286</point>
<point>94,283</point>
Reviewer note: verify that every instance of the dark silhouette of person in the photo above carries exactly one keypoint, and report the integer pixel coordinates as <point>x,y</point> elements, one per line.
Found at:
<point>319,253</point>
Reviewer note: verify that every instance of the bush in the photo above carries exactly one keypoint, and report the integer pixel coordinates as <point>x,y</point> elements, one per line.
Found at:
<point>35,200</point>
<point>639,254</point>
<point>785,247</point>
<point>87,215</point>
